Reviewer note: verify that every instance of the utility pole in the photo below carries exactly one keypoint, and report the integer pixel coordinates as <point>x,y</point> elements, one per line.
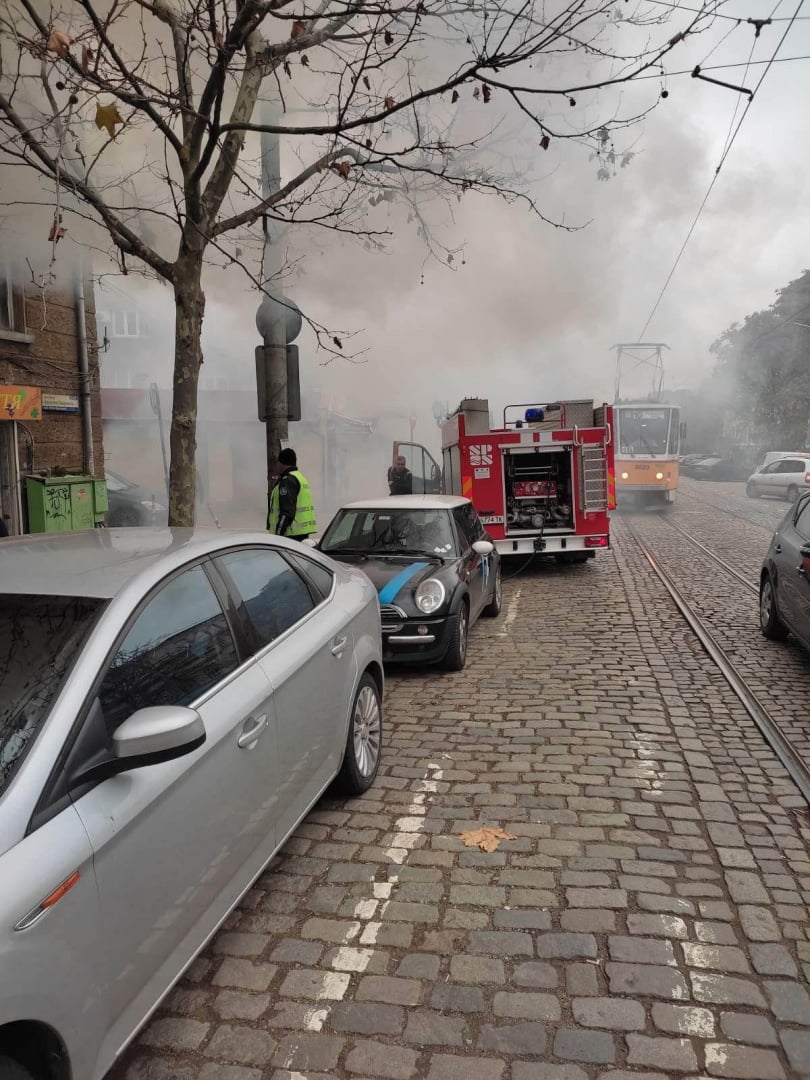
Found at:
<point>271,317</point>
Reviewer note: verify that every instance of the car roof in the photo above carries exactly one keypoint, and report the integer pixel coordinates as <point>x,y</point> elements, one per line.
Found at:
<point>99,563</point>
<point>408,502</point>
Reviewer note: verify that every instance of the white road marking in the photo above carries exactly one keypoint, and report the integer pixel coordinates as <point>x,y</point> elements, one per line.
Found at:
<point>511,614</point>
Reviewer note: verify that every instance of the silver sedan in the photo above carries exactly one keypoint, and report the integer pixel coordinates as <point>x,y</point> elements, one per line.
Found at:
<point>172,703</point>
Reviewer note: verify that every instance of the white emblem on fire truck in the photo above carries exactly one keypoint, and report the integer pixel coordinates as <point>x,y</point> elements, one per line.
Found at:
<point>481,455</point>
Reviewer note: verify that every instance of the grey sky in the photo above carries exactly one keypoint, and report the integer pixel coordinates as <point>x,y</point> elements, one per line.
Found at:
<point>534,310</point>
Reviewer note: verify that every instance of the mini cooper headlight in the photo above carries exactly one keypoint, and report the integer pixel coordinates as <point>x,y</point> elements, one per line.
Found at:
<point>430,596</point>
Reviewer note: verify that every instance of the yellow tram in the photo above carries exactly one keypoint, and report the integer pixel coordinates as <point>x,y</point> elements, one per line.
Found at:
<point>648,444</point>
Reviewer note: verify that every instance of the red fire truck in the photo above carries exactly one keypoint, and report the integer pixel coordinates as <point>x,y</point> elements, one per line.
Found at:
<point>542,483</point>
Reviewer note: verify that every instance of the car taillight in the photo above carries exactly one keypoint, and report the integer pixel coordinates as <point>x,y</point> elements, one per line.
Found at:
<point>807,478</point>
<point>596,541</point>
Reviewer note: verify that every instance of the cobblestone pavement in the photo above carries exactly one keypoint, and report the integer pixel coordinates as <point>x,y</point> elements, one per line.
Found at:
<point>730,500</point>
<point>647,921</point>
<point>778,672</point>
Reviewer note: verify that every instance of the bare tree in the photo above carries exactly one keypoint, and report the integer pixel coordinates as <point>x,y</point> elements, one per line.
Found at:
<point>144,117</point>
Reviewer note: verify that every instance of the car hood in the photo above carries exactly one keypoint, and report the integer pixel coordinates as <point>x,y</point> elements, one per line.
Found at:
<point>391,575</point>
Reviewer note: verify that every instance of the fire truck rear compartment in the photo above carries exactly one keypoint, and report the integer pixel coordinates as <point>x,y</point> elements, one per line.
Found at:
<point>537,484</point>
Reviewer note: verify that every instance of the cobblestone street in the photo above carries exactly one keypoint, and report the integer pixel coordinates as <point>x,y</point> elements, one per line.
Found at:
<point>647,921</point>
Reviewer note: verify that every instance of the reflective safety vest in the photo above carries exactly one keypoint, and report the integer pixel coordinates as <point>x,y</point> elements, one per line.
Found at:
<point>304,523</point>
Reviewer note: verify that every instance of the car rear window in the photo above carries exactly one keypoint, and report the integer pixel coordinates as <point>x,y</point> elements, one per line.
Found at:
<point>40,637</point>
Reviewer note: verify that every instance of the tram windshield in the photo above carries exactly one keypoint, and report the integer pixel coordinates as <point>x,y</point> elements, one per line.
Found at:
<point>647,431</point>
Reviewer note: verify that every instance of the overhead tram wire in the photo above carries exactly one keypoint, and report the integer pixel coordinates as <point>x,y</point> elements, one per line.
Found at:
<point>720,67</point>
<point>742,19</point>
<point>729,144</point>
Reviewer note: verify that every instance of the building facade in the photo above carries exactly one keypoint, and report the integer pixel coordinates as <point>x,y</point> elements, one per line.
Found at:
<point>50,402</point>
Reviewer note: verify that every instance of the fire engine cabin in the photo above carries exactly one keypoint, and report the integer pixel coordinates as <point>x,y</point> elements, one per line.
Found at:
<point>542,483</point>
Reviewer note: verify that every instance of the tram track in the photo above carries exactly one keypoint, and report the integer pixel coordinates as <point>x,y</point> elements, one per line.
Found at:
<point>744,581</point>
<point>770,728</point>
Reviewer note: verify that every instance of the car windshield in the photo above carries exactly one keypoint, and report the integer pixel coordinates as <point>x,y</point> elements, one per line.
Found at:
<point>40,637</point>
<point>390,532</point>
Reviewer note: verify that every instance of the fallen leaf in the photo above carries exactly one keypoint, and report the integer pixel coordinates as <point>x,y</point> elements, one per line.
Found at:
<point>368,144</point>
<point>486,838</point>
<point>298,28</point>
<point>59,42</point>
<point>389,103</point>
<point>107,116</point>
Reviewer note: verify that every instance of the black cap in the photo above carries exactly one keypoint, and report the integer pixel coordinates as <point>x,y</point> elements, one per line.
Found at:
<point>287,457</point>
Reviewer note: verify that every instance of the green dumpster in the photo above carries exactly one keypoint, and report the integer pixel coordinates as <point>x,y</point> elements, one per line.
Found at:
<point>65,503</point>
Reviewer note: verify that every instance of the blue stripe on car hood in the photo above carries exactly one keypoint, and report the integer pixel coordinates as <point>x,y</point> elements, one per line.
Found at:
<point>389,591</point>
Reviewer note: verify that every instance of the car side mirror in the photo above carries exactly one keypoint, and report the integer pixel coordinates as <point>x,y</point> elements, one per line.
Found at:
<point>309,542</point>
<point>156,734</point>
<point>149,737</point>
<point>483,547</point>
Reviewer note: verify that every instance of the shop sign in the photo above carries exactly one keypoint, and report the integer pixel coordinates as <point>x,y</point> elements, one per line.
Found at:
<point>20,402</point>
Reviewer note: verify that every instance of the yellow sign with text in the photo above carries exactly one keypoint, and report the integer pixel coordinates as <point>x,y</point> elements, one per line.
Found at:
<point>20,402</point>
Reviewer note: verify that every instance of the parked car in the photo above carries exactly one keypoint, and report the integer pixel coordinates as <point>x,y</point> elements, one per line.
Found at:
<point>172,703</point>
<point>718,468</point>
<point>785,477</point>
<point>435,568</point>
<point>131,503</point>
<point>688,460</point>
<point>784,588</point>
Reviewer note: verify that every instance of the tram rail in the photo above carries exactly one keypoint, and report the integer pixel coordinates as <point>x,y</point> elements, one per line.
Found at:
<point>770,728</point>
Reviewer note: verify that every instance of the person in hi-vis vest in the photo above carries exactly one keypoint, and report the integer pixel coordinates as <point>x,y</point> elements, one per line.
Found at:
<point>290,511</point>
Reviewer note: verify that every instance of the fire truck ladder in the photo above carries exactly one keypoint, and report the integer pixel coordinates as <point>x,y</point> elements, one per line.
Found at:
<point>594,478</point>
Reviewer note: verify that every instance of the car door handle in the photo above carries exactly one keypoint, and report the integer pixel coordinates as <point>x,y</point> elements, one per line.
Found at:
<point>339,646</point>
<point>778,549</point>
<point>251,732</point>
<point>801,570</point>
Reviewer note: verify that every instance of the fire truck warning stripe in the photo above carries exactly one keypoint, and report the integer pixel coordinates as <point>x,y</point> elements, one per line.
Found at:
<point>389,591</point>
<point>466,486</point>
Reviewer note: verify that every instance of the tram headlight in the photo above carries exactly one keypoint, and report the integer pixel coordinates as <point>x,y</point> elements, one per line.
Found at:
<point>659,476</point>
<point>625,476</point>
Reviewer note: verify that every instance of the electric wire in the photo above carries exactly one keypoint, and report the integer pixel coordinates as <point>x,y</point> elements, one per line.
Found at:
<point>726,151</point>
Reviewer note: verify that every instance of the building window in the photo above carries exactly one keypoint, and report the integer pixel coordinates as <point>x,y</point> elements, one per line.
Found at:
<point>12,303</point>
<point>129,324</point>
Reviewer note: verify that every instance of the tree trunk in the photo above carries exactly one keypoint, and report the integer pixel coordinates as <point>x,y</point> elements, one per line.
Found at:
<point>189,309</point>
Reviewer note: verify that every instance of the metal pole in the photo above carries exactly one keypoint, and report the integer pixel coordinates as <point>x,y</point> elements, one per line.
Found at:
<point>275,336</point>
<point>88,457</point>
<point>154,401</point>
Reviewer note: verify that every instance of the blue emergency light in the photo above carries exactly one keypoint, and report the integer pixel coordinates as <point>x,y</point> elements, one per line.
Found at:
<point>534,416</point>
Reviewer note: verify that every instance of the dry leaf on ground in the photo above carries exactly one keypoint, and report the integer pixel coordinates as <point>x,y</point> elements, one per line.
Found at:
<point>487,838</point>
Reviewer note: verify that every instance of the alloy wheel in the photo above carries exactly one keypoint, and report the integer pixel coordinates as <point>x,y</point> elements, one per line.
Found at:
<point>765,603</point>
<point>367,731</point>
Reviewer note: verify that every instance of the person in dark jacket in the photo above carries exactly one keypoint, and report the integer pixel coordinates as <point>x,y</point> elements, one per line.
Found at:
<point>400,478</point>
<point>3,529</point>
<point>290,510</point>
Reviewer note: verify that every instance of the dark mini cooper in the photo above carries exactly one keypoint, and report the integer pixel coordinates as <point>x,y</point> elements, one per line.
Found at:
<point>433,565</point>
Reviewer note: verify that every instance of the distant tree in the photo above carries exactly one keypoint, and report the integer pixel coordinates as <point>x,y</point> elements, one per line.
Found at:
<point>765,362</point>
<point>144,116</point>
